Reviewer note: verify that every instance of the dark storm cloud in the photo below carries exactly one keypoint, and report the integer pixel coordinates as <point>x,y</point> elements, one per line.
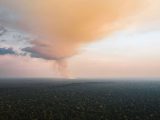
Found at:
<point>7,51</point>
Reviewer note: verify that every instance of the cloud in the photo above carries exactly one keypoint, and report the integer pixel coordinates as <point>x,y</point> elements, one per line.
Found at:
<point>7,51</point>
<point>64,26</point>
<point>36,54</point>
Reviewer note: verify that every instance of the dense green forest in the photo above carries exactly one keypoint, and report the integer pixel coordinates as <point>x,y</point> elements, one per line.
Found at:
<point>80,101</point>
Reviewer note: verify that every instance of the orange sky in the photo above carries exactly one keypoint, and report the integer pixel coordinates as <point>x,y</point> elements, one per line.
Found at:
<point>65,25</point>
<point>63,29</point>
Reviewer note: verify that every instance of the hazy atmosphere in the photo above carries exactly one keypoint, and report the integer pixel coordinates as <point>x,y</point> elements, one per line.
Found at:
<point>79,38</point>
<point>79,59</point>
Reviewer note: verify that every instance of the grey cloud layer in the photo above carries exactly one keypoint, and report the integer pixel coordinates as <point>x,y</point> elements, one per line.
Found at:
<point>33,53</point>
<point>9,51</point>
<point>9,40</point>
<point>36,54</point>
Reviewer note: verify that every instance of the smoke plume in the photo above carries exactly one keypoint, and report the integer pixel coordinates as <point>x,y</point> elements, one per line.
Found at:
<point>63,26</point>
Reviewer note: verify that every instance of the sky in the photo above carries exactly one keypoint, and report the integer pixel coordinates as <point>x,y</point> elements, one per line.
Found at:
<point>80,38</point>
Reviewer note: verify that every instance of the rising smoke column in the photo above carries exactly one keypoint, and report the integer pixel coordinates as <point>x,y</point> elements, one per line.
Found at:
<point>63,26</point>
